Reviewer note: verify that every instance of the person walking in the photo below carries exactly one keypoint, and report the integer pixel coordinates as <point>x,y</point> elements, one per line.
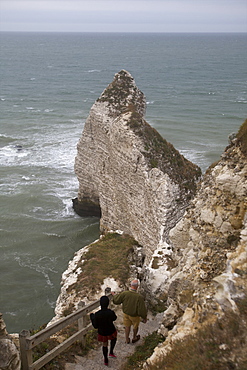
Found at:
<point>103,321</point>
<point>134,310</point>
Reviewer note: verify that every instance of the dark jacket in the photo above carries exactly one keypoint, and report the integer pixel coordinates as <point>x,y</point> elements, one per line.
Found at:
<point>132,303</point>
<point>103,319</point>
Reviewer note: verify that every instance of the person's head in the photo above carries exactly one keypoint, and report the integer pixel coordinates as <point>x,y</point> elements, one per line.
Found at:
<point>134,284</point>
<point>104,301</point>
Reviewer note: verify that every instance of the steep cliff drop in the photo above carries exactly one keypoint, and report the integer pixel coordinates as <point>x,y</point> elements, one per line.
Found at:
<point>128,174</point>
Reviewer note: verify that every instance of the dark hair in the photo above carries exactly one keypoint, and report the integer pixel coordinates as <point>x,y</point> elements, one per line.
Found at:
<point>104,301</point>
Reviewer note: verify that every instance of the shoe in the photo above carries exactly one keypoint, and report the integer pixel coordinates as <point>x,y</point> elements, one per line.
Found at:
<point>128,341</point>
<point>106,363</point>
<point>112,355</point>
<point>136,340</point>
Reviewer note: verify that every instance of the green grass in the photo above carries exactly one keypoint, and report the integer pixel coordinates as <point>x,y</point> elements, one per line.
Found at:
<point>107,257</point>
<point>143,351</point>
<point>161,154</point>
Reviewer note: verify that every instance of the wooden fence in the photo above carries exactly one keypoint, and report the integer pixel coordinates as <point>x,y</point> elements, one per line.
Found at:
<point>27,342</point>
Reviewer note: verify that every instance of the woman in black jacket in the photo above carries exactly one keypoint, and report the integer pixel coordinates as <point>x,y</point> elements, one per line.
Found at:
<point>103,321</point>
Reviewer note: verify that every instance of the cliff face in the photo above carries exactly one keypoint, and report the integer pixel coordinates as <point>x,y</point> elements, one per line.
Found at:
<point>209,252</point>
<point>129,174</point>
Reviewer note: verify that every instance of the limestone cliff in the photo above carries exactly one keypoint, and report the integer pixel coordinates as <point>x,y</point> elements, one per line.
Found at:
<point>128,174</point>
<point>207,279</point>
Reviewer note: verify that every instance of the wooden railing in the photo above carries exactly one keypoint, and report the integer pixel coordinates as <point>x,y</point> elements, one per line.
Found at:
<point>27,342</point>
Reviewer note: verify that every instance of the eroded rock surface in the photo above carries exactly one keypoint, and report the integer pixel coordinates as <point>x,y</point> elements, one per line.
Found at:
<point>129,174</point>
<point>209,249</point>
<point>9,354</point>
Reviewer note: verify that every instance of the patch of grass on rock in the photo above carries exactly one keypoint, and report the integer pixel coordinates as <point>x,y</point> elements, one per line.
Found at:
<point>221,345</point>
<point>107,257</point>
<point>143,351</point>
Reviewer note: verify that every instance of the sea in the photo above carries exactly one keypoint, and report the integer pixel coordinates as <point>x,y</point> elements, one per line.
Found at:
<point>196,91</point>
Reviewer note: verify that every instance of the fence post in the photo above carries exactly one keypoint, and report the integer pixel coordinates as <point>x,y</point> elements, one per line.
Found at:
<point>82,321</point>
<point>107,291</point>
<point>26,354</point>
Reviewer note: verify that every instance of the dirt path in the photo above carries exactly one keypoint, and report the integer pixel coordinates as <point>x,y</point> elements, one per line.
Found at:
<point>94,359</point>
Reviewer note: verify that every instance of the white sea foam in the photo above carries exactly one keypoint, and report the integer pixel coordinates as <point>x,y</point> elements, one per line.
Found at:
<point>10,155</point>
<point>94,70</point>
<point>51,303</point>
<point>55,235</point>
<point>11,313</point>
<point>27,264</point>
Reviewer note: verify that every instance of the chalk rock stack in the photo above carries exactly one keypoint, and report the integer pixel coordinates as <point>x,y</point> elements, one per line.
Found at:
<point>128,174</point>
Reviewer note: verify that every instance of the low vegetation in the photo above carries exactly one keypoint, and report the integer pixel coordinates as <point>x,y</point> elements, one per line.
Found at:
<point>143,351</point>
<point>120,92</point>
<point>107,257</point>
<point>109,254</point>
<point>77,349</point>
<point>221,346</point>
<point>161,154</point>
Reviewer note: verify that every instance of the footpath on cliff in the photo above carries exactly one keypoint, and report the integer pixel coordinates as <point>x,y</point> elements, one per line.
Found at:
<point>94,359</point>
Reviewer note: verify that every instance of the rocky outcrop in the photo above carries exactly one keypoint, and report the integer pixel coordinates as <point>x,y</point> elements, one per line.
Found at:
<point>208,247</point>
<point>212,225</point>
<point>9,355</point>
<point>112,261</point>
<point>128,174</point>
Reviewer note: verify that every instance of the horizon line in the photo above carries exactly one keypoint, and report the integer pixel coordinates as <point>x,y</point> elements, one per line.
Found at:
<point>129,32</point>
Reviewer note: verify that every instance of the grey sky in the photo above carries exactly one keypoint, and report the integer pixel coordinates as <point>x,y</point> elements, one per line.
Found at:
<point>124,15</point>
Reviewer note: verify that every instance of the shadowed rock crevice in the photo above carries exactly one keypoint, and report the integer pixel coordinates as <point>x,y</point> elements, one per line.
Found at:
<point>86,207</point>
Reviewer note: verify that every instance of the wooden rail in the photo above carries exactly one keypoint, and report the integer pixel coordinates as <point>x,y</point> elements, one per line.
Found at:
<point>27,342</point>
